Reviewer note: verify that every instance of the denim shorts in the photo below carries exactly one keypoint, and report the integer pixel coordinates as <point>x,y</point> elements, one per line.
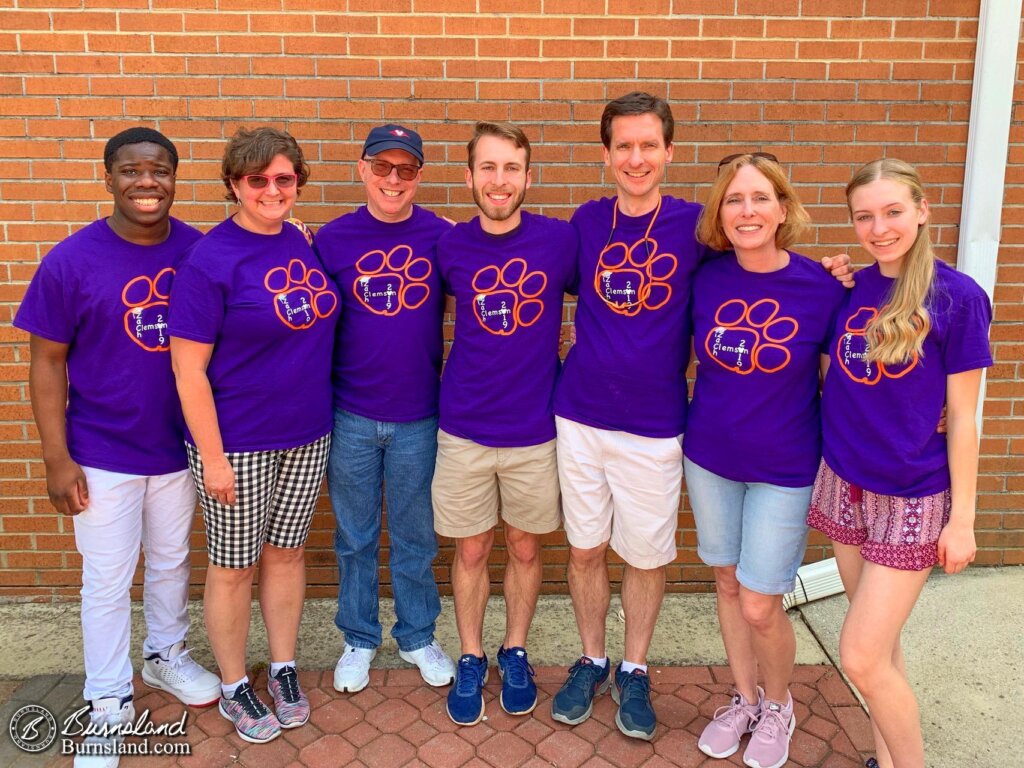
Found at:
<point>758,527</point>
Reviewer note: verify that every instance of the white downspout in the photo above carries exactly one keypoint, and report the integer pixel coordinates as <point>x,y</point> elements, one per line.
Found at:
<point>988,137</point>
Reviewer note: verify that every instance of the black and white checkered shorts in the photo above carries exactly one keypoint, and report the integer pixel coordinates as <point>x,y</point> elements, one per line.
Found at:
<point>275,494</point>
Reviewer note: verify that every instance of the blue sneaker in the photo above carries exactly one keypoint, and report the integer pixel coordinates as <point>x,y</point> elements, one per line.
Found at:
<point>518,691</point>
<point>632,692</point>
<point>466,697</point>
<point>575,699</point>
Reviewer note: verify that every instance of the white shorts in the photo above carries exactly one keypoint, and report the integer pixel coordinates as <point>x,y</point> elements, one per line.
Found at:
<point>620,488</point>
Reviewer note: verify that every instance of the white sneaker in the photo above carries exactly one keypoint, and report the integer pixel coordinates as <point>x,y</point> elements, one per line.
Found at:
<point>182,677</point>
<point>352,672</point>
<point>436,666</point>
<point>99,750</point>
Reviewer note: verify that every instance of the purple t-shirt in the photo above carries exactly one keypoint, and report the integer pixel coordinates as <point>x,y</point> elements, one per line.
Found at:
<point>387,351</point>
<point>266,305</point>
<point>879,421</point>
<point>107,299</point>
<point>758,338</point>
<point>498,382</point>
<point>627,370</point>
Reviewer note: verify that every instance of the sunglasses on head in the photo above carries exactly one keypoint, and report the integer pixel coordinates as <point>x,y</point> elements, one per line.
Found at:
<point>765,155</point>
<point>406,171</point>
<point>261,181</point>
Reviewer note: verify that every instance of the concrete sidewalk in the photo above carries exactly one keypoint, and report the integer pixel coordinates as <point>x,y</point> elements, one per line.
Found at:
<point>964,648</point>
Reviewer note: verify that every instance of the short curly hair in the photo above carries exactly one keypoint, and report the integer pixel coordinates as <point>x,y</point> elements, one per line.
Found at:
<point>249,152</point>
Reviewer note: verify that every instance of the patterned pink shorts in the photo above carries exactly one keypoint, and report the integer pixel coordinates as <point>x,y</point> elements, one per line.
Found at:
<point>894,531</point>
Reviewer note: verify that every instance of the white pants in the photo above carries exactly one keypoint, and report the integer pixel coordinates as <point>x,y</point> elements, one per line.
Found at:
<point>124,512</point>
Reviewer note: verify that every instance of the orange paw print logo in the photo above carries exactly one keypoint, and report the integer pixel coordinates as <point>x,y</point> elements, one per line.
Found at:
<point>301,295</point>
<point>633,278</point>
<point>145,322</point>
<point>393,281</point>
<point>852,352</point>
<point>750,337</point>
<point>506,298</point>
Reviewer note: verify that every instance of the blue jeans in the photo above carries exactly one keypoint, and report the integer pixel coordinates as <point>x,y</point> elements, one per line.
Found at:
<point>364,453</point>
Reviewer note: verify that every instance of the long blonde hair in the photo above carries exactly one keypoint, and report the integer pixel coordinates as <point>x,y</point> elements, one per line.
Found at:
<point>897,334</point>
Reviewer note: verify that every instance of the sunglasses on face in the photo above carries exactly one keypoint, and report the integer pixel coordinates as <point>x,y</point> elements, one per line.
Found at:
<point>260,181</point>
<point>406,171</point>
<point>765,155</point>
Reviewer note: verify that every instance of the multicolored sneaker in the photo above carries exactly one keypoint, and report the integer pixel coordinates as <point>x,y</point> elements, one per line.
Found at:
<point>632,692</point>
<point>176,672</point>
<point>575,699</point>
<point>253,721</point>
<point>290,704</point>
<point>466,697</point>
<point>721,737</point>
<point>769,741</point>
<point>518,691</point>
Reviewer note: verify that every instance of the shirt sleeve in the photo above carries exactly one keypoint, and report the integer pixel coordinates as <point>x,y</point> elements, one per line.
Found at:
<point>47,307</point>
<point>443,261</point>
<point>835,301</point>
<point>197,305</point>
<point>966,346</point>
<point>573,284</point>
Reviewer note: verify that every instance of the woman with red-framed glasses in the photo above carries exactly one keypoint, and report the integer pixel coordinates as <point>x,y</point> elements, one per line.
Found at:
<point>252,325</point>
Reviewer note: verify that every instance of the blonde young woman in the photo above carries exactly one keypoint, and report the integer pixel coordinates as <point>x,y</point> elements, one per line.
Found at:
<point>762,316</point>
<point>895,496</point>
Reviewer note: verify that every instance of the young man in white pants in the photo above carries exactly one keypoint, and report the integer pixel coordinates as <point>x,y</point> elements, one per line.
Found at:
<point>104,400</point>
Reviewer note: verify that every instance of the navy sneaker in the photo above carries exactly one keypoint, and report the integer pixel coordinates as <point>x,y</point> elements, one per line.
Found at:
<point>575,699</point>
<point>632,692</point>
<point>518,691</point>
<point>466,697</point>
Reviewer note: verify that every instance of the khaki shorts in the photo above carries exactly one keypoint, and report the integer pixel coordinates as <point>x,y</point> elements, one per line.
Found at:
<point>471,482</point>
<point>620,488</point>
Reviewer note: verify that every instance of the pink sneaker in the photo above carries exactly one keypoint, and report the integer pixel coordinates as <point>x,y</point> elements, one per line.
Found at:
<point>721,737</point>
<point>769,742</point>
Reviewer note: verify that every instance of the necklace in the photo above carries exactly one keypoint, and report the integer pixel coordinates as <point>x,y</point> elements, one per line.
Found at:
<point>621,282</point>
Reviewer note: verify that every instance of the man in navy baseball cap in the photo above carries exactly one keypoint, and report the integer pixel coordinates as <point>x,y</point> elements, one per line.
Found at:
<point>392,136</point>
<point>386,370</point>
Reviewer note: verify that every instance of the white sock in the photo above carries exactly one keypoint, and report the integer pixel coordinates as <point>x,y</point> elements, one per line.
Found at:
<point>277,666</point>
<point>598,662</point>
<point>629,666</point>
<point>228,690</point>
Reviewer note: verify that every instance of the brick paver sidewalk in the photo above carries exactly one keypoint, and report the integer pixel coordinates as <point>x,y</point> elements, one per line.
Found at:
<point>399,721</point>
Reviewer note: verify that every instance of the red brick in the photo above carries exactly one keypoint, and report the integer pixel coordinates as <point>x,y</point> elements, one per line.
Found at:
<point>863,77</point>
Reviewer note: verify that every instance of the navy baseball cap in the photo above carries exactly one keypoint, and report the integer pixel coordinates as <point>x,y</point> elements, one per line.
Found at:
<point>393,136</point>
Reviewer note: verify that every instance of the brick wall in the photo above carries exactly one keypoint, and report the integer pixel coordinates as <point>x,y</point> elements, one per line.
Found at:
<point>824,84</point>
